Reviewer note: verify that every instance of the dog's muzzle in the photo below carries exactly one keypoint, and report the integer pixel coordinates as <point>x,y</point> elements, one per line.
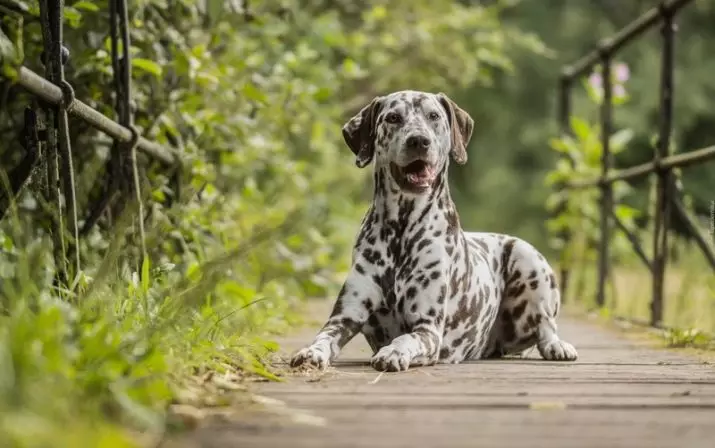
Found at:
<point>415,172</point>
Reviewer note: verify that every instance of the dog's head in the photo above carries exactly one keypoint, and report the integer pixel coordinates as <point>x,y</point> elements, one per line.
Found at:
<point>412,134</point>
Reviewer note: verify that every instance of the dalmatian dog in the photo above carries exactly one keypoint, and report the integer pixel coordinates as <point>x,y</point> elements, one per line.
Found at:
<point>420,289</point>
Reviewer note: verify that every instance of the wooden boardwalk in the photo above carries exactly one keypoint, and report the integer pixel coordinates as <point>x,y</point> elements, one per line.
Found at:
<point>618,394</point>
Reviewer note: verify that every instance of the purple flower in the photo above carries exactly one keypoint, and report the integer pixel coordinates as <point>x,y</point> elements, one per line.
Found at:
<point>595,80</point>
<point>619,91</point>
<point>622,72</point>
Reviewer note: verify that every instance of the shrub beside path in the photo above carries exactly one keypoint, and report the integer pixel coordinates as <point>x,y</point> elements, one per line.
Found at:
<point>620,393</point>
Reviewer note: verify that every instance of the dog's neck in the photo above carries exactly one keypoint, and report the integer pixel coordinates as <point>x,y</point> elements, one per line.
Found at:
<point>394,205</point>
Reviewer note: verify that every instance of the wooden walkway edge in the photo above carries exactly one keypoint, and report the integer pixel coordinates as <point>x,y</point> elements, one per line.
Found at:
<point>618,394</point>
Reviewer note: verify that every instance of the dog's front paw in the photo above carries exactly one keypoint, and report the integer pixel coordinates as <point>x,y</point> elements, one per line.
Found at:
<point>390,359</point>
<point>558,350</point>
<point>313,356</point>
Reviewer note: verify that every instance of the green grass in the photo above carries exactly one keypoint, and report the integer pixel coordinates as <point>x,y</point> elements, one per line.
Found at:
<point>97,362</point>
<point>689,299</point>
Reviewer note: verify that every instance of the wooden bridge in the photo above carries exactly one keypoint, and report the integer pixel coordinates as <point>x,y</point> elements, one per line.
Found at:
<point>620,393</point>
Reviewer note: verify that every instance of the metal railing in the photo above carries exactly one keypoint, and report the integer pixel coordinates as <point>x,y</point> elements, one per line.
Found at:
<point>46,132</point>
<point>662,164</point>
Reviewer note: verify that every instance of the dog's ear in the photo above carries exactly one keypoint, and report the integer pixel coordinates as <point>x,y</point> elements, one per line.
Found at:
<point>461,127</point>
<point>360,132</point>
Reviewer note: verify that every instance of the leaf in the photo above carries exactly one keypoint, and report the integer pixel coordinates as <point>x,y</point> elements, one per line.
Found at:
<point>271,346</point>
<point>620,139</point>
<point>87,6</point>
<point>214,10</point>
<point>253,93</point>
<point>147,66</point>
<point>555,177</point>
<point>626,213</point>
<point>322,94</point>
<point>581,128</point>
<point>558,145</point>
<point>146,268</point>
<point>72,16</point>
<point>205,79</point>
<point>377,13</point>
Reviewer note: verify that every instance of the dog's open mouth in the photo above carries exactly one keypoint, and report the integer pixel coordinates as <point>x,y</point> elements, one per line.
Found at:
<point>417,175</point>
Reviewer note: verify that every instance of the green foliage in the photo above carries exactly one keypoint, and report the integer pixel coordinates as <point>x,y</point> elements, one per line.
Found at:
<point>687,338</point>
<point>576,212</point>
<point>253,100</point>
<point>501,187</point>
<point>575,234</point>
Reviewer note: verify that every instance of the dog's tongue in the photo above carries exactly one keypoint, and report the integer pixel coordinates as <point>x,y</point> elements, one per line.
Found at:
<point>422,177</point>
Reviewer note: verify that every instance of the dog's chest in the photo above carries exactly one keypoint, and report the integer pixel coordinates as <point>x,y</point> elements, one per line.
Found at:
<point>428,271</point>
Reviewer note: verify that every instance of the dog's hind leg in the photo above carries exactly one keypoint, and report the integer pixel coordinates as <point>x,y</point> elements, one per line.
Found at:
<point>529,308</point>
<point>550,345</point>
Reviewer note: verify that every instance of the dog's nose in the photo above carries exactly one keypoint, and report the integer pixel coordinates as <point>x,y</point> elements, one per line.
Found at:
<point>417,142</point>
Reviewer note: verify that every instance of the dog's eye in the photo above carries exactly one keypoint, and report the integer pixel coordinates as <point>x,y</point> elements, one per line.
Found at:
<point>393,118</point>
<point>434,116</point>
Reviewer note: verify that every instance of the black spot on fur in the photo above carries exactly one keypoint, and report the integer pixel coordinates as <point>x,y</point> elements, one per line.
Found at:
<point>519,310</point>
<point>516,290</point>
<point>424,243</point>
<point>506,255</point>
<point>452,221</point>
<point>379,335</point>
<point>442,294</point>
<point>371,256</point>
<point>508,328</point>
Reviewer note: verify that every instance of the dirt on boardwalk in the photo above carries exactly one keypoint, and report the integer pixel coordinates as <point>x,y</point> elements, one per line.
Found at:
<point>618,394</point>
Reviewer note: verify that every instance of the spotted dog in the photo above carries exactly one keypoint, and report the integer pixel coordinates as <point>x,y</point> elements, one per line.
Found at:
<point>421,290</point>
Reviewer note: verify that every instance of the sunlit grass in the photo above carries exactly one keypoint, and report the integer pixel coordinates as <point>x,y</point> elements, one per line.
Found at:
<point>83,363</point>
<point>689,293</point>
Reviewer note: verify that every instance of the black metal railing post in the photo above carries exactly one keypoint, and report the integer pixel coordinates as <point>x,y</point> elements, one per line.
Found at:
<point>564,115</point>
<point>606,162</point>
<point>52,60</point>
<point>126,112</point>
<point>664,174</point>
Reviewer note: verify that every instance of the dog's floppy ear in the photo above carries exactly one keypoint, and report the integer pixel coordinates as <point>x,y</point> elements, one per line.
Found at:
<point>461,127</point>
<point>360,132</point>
